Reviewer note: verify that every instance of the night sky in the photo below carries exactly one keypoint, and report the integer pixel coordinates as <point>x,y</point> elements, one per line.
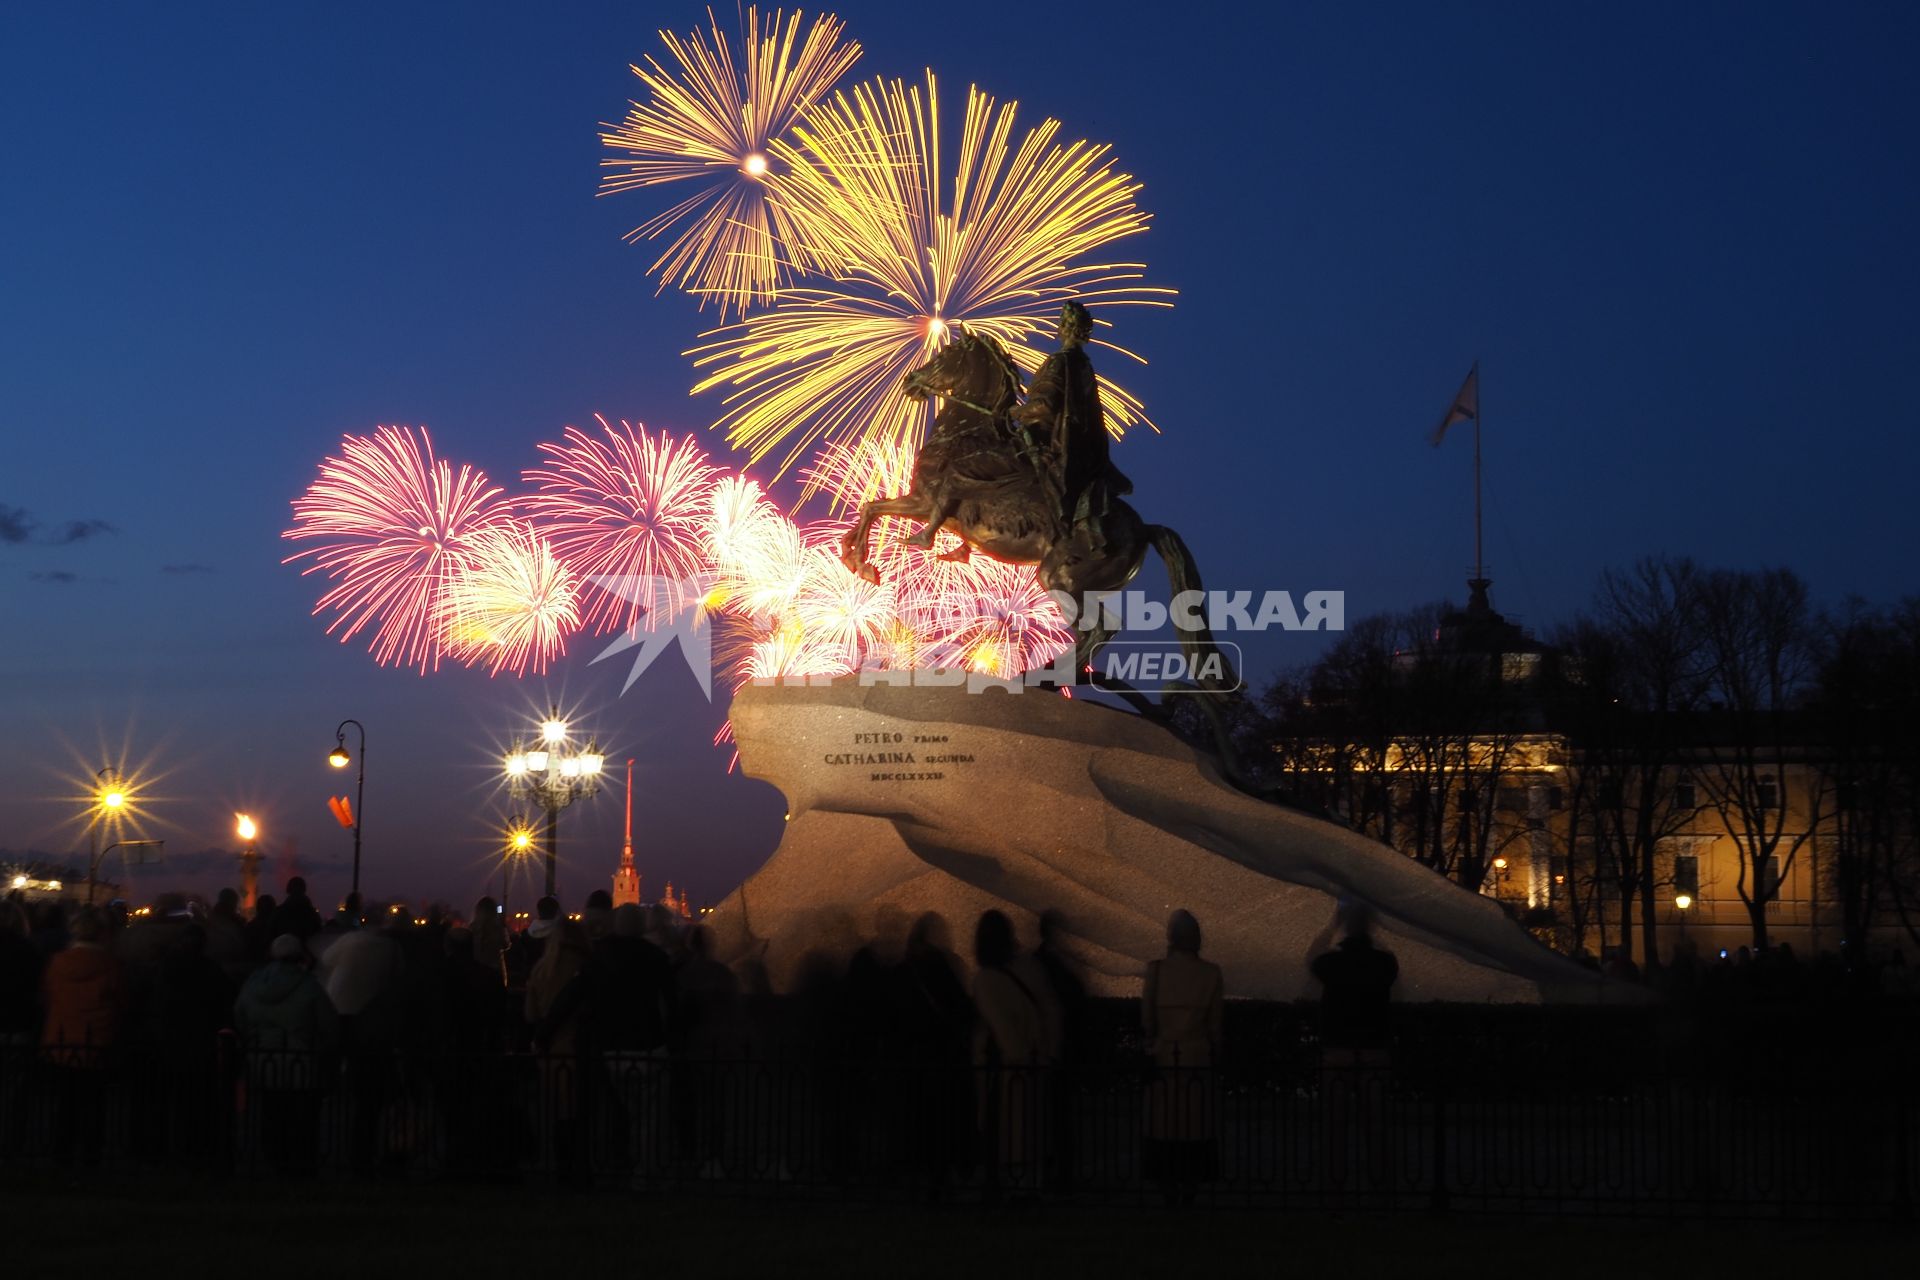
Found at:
<point>1680,239</point>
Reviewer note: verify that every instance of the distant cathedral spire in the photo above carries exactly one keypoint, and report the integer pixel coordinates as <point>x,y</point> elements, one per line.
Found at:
<point>626,880</point>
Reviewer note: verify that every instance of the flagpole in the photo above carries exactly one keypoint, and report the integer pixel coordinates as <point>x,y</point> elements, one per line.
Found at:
<point>1479,408</point>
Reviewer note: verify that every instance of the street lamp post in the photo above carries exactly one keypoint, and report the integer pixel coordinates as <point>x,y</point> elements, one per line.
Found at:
<point>110,800</point>
<point>338,758</point>
<point>93,864</point>
<point>552,775</point>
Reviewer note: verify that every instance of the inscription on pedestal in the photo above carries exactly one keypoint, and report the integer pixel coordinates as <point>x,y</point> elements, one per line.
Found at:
<point>900,757</point>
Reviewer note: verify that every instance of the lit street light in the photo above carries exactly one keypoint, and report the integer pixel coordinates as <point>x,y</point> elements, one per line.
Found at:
<point>519,844</point>
<point>109,802</point>
<point>248,831</point>
<point>338,758</point>
<point>553,777</point>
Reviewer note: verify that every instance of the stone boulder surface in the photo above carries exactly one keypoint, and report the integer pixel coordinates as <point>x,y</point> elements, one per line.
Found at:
<point>909,799</point>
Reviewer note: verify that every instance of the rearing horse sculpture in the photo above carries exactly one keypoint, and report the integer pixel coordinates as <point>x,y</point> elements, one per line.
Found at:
<point>975,478</point>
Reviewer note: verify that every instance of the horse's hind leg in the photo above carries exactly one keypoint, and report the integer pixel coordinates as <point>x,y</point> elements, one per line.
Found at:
<point>940,507</point>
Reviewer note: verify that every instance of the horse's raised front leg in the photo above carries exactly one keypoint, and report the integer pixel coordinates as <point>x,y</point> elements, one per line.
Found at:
<point>853,543</point>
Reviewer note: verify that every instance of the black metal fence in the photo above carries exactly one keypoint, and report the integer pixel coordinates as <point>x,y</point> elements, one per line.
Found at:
<point>1455,1116</point>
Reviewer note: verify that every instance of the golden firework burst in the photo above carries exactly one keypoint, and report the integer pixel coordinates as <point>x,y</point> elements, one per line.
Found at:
<point>711,120</point>
<point>861,193</point>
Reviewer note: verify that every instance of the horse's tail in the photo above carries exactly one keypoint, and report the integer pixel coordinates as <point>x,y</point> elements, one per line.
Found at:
<point>1212,670</point>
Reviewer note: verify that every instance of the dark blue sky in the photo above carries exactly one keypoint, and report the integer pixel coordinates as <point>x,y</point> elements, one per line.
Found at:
<point>1680,239</point>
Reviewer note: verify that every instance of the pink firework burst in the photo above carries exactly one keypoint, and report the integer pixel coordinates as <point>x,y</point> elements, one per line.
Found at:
<point>390,523</point>
<point>626,512</point>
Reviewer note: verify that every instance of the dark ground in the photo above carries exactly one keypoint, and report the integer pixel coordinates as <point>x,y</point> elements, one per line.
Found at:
<point>52,1228</point>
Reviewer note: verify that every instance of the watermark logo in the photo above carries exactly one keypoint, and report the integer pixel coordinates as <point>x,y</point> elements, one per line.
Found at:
<point>1216,611</point>
<point>1215,668</point>
<point>673,614</point>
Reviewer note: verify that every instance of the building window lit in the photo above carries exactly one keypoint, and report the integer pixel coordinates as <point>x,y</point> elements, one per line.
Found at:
<point>1515,667</point>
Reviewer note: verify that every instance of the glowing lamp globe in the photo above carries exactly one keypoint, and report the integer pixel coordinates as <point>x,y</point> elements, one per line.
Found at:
<point>244,827</point>
<point>338,757</point>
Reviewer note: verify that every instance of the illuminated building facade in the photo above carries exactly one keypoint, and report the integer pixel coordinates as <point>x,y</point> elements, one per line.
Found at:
<point>1497,761</point>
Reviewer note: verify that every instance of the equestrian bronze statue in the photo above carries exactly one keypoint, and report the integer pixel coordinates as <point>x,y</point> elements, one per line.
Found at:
<point>1032,483</point>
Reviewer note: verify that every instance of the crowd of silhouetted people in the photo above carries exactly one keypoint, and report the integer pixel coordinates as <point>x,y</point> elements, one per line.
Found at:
<point>617,1037</point>
<point>599,1015</point>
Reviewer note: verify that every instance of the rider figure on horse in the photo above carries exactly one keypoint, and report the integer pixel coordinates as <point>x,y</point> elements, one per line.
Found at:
<point>1062,424</point>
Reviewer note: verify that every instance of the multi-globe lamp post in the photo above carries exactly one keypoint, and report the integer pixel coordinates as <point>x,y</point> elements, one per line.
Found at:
<point>552,775</point>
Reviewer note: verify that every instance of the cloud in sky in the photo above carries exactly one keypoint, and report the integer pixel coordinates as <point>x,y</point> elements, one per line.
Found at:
<point>16,524</point>
<point>79,531</point>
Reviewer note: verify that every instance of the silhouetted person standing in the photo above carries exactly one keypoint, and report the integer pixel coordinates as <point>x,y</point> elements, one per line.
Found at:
<point>557,1011</point>
<point>85,993</point>
<point>632,1007</point>
<point>1182,1009</point>
<point>1069,994</point>
<point>191,1003</point>
<point>259,931</point>
<point>296,914</point>
<point>290,1030</point>
<point>1013,1047</point>
<point>1357,978</point>
<point>1357,983</point>
<point>227,938</point>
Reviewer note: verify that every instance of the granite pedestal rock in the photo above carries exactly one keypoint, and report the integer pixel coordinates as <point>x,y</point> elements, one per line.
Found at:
<point>903,800</point>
